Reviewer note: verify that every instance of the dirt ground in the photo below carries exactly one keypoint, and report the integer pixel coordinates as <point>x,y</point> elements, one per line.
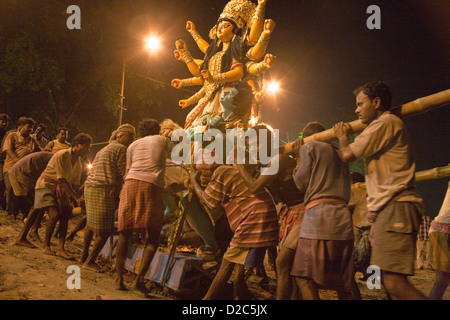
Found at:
<point>28,274</point>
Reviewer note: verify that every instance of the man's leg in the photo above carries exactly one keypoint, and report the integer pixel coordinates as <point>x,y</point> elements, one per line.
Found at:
<point>99,243</point>
<point>34,231</point>
<point>9,196</point>
<point>353,294</point>
<point>2,188</point>
<point>151,245</point>
<point>307,288</point>
<point>398,287</point>
<point>88,235</point>
<point>121,257</point>
<point>240,290</point>
<point>80,226</point>
<point>220,280</point>
<point>32,218</point>
<point>420,254</point>
<point>63,225</point>
<point>440,285</point>
<point>284,280</point>
<point>53,214</point>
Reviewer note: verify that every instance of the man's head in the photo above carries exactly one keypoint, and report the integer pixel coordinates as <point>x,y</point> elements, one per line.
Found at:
<point>149,127</point>
<point>40,130</point>
<point>125,134</point>
<point>372,99</point>
<point>25,126</point>
<point>82,144</point>
<point>4,121</point>
<point>63,134</point>
<point>312,128</point>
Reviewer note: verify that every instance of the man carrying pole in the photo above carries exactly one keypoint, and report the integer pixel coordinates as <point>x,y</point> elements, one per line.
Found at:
<point>395,208</point>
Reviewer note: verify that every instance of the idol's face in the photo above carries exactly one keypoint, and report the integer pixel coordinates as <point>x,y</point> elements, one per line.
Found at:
<point>227,98</point>
<point>225,31</point>
<point>366,109</point>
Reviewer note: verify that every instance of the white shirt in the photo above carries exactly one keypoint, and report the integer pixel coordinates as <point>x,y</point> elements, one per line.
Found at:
<point>146,159</point>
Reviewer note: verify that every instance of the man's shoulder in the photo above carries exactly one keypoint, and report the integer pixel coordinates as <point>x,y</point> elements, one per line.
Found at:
<point>387,118</point>
<point>225,172</point>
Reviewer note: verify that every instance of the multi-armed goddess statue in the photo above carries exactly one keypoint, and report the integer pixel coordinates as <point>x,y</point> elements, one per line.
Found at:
<point>231,74</point>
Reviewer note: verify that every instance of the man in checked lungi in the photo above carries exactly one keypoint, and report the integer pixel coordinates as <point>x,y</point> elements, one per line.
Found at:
<point>101,193</point>
<point>57,187</point>
<point>141,205</point>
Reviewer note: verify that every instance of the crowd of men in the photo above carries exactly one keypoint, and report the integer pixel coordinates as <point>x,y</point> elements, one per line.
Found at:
<point>300,215</point>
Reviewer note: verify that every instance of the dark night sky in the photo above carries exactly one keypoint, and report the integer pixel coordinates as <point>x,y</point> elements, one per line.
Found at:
<point>324,51</point>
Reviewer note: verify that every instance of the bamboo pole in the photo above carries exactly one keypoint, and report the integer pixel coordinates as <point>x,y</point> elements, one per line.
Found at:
<point>426,175</point>
<point>415,107</point>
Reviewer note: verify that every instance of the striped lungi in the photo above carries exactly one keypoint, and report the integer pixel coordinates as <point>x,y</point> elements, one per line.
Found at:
<point>100,209</point>
<point>141,206</point>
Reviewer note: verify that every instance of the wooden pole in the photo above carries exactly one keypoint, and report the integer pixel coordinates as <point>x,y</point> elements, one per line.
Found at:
<point>415,107</point>
<point>431,174</point>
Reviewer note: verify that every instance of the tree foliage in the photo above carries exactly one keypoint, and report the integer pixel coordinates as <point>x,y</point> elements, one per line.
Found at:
<point>65,77</point>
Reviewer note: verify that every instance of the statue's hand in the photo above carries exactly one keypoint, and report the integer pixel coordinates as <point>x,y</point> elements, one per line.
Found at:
<point>177,55</point>
<point>262,3</point>
<point>269,60</point>
<point>269,26</point>
<point>190,26</point>
<point>183,103</point>
<point>176,83</point>
<point>206,75</point>
<point>180,45</point>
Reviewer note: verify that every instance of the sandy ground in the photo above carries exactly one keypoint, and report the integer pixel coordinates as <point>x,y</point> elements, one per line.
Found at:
<point>28,274</point>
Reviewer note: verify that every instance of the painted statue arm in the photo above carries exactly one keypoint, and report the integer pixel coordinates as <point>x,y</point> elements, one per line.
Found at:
<point>342,131</point>
<point>233,75</point>
<point>259,49</point>
<point>182,53</point>
<point>201,43</point>
<point>198,190</point>
<point>179,83</point>
<point>257,68</point>
<point>193,99</point>
<point>257,26</point>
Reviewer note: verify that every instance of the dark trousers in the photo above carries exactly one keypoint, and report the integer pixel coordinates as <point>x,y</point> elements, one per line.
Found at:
<point>11,200</point>
<point>2,188</point>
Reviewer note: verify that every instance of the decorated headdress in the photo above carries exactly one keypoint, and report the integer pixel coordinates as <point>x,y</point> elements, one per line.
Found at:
<point>238,11</point>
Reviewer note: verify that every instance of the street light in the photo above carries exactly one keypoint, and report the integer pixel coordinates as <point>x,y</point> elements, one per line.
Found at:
<point>152,44</point>
<point>273,87</point>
